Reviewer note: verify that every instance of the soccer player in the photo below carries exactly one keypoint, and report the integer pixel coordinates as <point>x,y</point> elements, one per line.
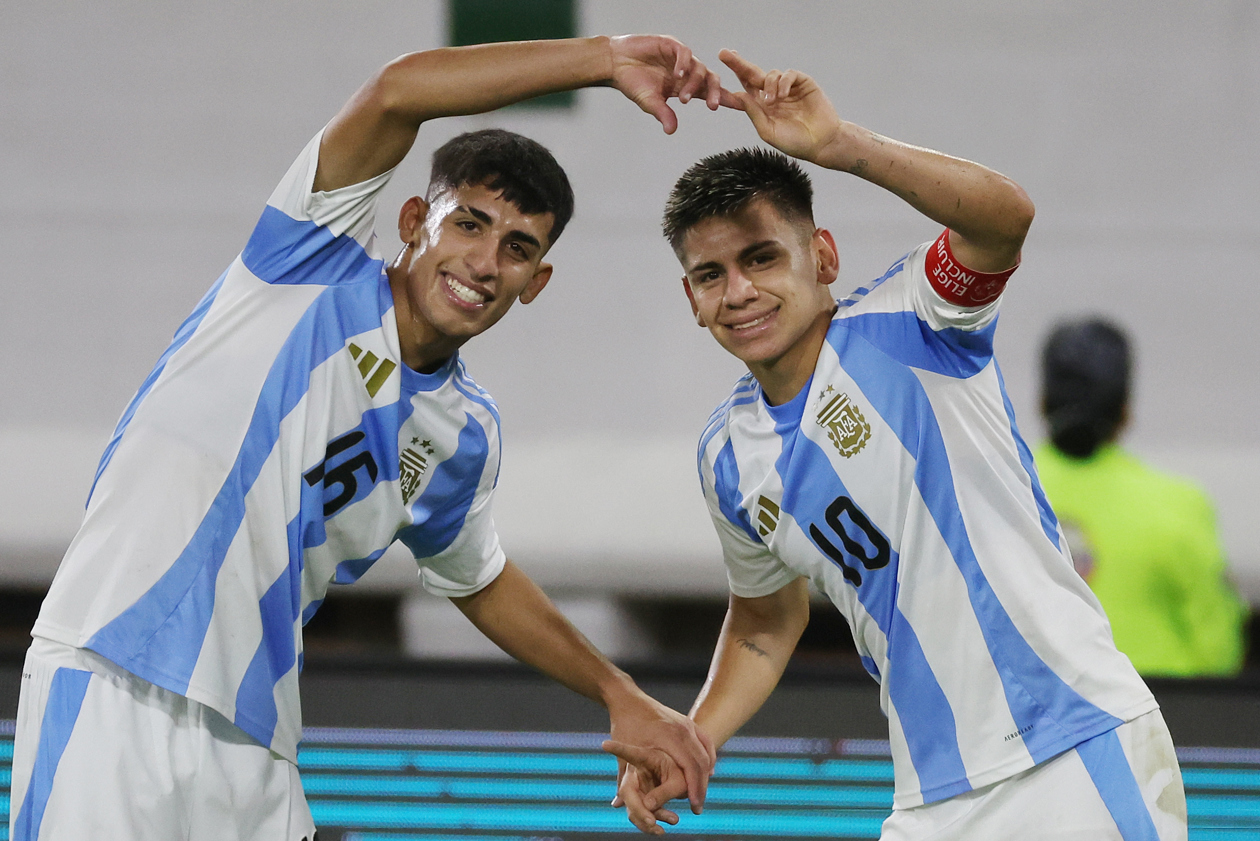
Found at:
<point>871,451</point>
<point>311,411</point>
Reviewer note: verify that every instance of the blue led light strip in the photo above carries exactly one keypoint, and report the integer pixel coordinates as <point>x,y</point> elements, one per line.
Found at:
<point>431,785</point>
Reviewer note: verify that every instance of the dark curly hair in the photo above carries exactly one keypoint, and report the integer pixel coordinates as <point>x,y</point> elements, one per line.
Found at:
<point>522,169</point>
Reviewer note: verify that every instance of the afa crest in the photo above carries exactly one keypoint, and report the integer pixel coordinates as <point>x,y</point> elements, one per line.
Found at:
<point>412,465</point>
<point>846,427</point>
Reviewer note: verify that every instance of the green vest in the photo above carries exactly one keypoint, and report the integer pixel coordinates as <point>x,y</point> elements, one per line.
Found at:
<point>1156,561</point>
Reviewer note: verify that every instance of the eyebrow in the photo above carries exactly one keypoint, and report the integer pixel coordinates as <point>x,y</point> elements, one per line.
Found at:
<point>744,254</point>
<point>484,218</point>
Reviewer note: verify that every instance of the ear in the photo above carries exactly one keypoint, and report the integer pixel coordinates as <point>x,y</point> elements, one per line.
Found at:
<point>691,299</point>
<point>411,219</point>
<point>536,283</point>
<point>826,256</point>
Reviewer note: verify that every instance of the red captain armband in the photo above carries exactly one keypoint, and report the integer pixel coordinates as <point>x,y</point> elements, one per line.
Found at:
<point>958,284</point>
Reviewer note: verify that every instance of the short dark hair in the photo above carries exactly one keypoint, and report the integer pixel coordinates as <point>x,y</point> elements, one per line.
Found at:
<point>522,169</point>
<point>725,183</point>
<point>1086,367</point>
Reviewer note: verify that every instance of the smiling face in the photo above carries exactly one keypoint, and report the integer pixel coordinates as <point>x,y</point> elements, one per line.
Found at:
<point>469,255</point>
<point>758,280</point>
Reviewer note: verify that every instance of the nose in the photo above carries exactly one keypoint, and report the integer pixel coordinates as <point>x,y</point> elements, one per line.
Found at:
<point>739,290</point>
<point>483,258</point>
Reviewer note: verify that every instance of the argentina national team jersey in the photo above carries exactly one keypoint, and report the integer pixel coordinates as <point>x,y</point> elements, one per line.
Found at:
<point>898,484</point>
<point>279,445</point>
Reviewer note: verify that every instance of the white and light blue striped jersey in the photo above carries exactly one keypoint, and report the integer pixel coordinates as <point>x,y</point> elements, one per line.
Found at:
<point>898,484</point>
<point>279,445</point>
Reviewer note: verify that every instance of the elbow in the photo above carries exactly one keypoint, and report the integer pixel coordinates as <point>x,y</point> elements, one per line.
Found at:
<point>385,90</point>
<point>1018,216</point>
<point>392,91</point>
<point>1024,211</point>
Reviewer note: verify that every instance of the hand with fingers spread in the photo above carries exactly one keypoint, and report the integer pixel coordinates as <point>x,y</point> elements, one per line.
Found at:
<point>650,69</point>
<point>648,779</point>
<point>788,108</point>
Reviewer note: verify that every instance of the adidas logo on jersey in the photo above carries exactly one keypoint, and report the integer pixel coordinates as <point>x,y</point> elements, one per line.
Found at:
<point>846,426</point>
<point>374,375</point>
<point>767,516</point>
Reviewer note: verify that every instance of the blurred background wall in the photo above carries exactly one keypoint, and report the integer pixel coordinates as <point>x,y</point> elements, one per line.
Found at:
<point>139,142</point>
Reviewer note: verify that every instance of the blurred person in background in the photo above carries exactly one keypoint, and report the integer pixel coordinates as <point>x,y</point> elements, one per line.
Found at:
<point>1145,541</point>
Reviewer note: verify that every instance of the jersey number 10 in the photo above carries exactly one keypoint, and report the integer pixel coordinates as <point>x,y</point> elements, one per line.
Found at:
<point>872,553</point>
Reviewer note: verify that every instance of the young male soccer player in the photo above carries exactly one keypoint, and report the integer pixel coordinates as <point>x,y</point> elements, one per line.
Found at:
<point>310,412</point>
<point>872,451</point>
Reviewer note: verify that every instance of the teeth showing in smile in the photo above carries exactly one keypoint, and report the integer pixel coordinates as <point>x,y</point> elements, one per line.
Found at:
<point>750,324</point>
<point>464,293</point>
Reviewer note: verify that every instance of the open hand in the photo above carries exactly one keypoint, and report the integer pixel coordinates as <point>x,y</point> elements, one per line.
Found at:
<point>788,108</point>
<point>650,69</point>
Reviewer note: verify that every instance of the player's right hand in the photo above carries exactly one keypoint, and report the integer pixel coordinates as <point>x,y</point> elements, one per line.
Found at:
<point>651,69</point>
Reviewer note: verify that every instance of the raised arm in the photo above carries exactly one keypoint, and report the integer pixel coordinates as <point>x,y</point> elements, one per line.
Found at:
<point>515,614</point>
<point>374,130</point>
<point>756,642</point>
<point>987,213</point>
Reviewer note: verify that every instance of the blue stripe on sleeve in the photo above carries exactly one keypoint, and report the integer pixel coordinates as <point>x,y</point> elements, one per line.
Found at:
<point>182,335</point>
<point>726,487</point>
<point>862,291</point>
<point>1049,522</point>
<point>1109,768</point>
<point>285,250</point>
<point>1051,714</point>
<point>438,513</point>
<point>908,339</point>
<point>61,711</point>
<point>746,391</point>
<point>810,484</point>
<point>159,637</point>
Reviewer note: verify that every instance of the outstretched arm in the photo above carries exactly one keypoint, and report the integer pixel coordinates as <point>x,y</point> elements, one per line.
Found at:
<point>756,642</point>
<point>988,214</point>
<point>374,130</point>
<point>518,617</point>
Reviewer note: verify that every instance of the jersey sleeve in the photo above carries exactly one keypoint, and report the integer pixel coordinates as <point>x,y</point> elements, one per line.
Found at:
<point>751,569</point>
<point>474,557</point>
<point>472,561</point>
<point>947,294</point>
<point>305,236</point>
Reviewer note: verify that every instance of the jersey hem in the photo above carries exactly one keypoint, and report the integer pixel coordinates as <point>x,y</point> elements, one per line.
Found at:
<point>949,789</point>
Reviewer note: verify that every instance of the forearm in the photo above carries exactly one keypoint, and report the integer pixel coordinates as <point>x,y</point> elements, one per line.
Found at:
<point>756,642</point>
<point>987,211</point>
<point>375,130</point>
<point>518,617</point>
<point>470,80</point>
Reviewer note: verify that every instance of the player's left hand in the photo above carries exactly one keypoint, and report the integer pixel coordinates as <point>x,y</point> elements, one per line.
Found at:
<point>788,108</point>
<point>651,69</point>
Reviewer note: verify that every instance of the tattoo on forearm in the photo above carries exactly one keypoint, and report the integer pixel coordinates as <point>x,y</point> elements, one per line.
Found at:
<point>749,645</point>
<point>859,166</point>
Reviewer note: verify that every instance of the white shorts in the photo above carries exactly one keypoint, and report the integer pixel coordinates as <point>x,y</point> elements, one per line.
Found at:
<point>1124,785</point>
<point>101,754</point>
